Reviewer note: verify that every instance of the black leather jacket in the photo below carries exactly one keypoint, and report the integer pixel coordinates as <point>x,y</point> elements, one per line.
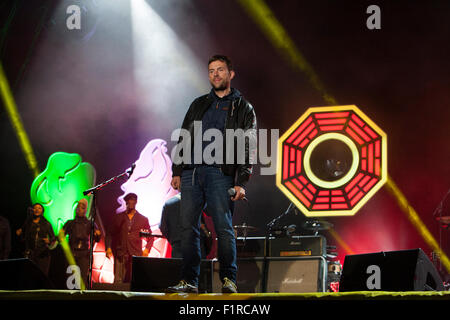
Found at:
<point>241,115</point>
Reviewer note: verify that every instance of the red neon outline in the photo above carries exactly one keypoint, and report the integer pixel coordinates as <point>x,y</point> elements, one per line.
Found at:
<point>357,198</point>
<point>299,162</point>
<point>337,199</point>
<point>354,181</point>
<point>354,135</point>
<point>331,121</point>
<point>294,190</point>
<point>370,184</point>
<point>370,132</point>
<point>339,206</point>
<point>359,131</point>
<point>304,134</point>
<point>285,162</point>
<point>358,120</point>
<point>353,192</point>
<point>299,130</point>
<point>370,157</point>
<point>332,128</point>
<point>331,115</point>
<point>321,207</point>
<point>322,199</point>
<point>377,167</point>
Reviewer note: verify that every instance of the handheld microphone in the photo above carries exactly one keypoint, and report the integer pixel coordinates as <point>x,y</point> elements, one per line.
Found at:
<point>232,193</point>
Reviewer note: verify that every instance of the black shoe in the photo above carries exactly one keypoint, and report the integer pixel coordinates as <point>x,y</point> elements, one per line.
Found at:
<point>182,287</point>
<point>228,286</point>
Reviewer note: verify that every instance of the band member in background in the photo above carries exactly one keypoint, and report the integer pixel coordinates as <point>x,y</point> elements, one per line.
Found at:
<point>170,227</point>
<point>222,109</point>
<point>39,238</point>
<point>79,231</point>
<point>123,239</point>
<point>5,238</point>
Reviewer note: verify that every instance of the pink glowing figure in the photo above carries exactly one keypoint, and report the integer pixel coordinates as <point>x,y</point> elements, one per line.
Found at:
<point>151,182</point>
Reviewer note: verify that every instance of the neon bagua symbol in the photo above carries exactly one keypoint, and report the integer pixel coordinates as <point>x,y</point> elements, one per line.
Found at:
<point>331,161</point>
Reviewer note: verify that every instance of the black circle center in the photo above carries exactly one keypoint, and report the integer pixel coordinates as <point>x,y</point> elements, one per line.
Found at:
<point>331,160</point>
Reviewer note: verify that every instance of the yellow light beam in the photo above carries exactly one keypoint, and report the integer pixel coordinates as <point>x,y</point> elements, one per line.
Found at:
<point>277,35</point>
<point>415,220</point>
<point>16,121</point>
<point>69,256</point>
<point>340,241</point>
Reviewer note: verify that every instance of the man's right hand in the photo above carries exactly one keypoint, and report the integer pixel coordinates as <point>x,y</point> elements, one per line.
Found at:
<point>109,253</point>
<point>176,181</point>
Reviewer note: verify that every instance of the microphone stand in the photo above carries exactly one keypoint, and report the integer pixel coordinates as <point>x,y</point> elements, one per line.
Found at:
<point>93,214</point>
<point>274,221</point>
<point>271,224</point>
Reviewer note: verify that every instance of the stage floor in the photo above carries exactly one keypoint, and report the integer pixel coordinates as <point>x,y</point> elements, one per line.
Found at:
<point>129,295</point>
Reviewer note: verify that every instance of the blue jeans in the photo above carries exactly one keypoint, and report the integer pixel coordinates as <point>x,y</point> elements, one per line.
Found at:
<point>207,184</point>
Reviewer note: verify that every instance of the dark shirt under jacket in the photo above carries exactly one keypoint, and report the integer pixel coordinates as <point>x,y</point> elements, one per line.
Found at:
<point>34,235</point>
<point>5,238</point>
<point>79,231</point>
<point>123,235</point>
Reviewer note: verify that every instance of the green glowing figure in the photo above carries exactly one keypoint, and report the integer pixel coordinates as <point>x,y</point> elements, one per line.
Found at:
<point>59,187</point>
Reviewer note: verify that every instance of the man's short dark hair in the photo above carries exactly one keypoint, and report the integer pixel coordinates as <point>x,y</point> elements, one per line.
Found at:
<point>130,196</point>
<point>219,57</point>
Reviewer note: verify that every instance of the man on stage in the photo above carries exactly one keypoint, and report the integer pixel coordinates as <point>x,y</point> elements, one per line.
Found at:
<point>123,239</point>
<point>200,182</point>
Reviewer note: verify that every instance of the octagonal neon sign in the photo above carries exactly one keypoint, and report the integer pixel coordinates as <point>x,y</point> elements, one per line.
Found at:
<point>331,161</point>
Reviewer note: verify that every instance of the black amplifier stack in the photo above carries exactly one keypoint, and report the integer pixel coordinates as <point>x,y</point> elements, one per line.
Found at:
<point>265,264</point>
<point>295,246</point>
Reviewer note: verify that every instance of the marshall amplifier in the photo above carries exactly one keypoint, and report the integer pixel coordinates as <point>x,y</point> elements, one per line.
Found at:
<point>296,274</point>
<point>297,246</point>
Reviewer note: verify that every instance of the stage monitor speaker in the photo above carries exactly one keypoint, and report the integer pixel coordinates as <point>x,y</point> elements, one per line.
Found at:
<point>156,274</point>
<point>405,270</point>
<point>296,275</point>
<point>249,277</point>
<point>22,274</point>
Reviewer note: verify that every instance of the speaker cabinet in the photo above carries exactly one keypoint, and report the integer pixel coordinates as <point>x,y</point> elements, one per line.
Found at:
<point>249,277</point>
<point>405,270</point>
<point>296,275</point>
<point>249,247</point>
<point>22,274</point>
<point>156,274</point>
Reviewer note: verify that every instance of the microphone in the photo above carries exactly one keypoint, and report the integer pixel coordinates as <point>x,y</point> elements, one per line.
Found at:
<point>232,193</point>
<point>131,170</point>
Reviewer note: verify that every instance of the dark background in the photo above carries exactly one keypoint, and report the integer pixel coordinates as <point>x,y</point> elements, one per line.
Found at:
<point>76,92</point>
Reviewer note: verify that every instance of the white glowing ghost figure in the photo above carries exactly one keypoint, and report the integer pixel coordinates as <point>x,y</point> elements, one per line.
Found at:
<point>151,182</point>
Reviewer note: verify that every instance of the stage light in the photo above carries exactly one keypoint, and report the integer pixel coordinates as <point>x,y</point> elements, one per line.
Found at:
<point>278,36</point>
<point>16,121</point>
<point>163,65</point>
<point>331,161</point>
